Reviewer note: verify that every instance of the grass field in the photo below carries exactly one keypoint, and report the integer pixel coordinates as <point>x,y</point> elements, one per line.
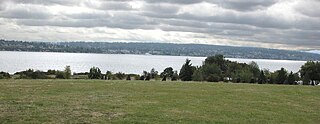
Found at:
<point>98,101</point>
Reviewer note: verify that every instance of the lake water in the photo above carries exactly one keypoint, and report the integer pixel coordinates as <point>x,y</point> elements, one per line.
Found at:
<point>81,62</point>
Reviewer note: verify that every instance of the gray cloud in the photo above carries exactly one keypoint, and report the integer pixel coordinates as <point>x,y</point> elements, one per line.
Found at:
<point>241,5</point>
<point>309,8</point>
<point>285,22</point>
<point>245,5</point>
<point>115,6</point>
<point>44,2</point>
<point>25,12</point>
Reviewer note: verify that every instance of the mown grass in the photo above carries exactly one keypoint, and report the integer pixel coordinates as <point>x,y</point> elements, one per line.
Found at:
<point>98,101</point>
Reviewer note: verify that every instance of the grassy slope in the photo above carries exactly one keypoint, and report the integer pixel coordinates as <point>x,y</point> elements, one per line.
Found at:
<point>95,101</point>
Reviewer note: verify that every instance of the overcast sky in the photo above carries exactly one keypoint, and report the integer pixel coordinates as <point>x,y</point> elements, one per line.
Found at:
<point>279,24</point>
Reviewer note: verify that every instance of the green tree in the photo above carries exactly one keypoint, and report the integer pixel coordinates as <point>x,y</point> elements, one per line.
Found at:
<point>120,75</point>
<point>282,76</point>
<point>312,70</point>
<point>262,78</point>
<point>175,76</point>
<point>67,72</point>
<point>4,75</point>
<point>186,71</point>
<point>128,78</point>
<point>108,75</point>
<point>145,73</point>
<point>153,73</point>
<point>213,78</point>
<point>60,75</point>
<point>245,76</point>
<point>167,72</point>
<point>211,70</point>
<point>197,75</point>
<point>306,79</point>
<point>148,76</point>
<point>273,77</point>
<point>218,60</point>
<point>94,73</point>
<point>254,68</point>
<point>291,79</point>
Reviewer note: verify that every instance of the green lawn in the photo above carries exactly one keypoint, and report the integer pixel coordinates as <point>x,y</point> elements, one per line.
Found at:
<point>98,101</point>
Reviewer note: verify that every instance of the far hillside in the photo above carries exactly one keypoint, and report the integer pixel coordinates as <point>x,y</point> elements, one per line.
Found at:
<point>158,49</point>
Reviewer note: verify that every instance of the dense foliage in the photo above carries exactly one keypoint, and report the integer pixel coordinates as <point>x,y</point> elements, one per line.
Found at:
<point>4,75</point>
<point>95,73</point>
<point>214,69</point>
<point>186,71</point>
<point>31,74</point>
<point>310,72</point>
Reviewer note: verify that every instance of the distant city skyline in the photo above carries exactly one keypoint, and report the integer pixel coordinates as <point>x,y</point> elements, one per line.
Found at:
<point>276,24</point>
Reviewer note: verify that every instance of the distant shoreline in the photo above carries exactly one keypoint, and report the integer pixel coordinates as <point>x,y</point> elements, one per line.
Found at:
<point>194,50</point>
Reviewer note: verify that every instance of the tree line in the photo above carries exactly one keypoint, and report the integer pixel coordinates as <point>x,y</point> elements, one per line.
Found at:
<point>217,68</point>
<point>214,69</point>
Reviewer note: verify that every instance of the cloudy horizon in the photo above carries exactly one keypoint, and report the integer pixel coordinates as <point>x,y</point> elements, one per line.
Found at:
<point>276,24</point>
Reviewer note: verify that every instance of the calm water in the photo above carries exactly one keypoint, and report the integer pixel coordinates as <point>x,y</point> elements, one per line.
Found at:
<point>81,62</point>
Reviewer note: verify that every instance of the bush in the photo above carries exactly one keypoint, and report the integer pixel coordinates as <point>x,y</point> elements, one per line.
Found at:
<point>30,74</point>
<point>95,73</point>
<point>120,76</point>
<point>60,75</point>
<point>213,78</point>
<point>128,78</point>
<point>148,77</point>
<point>197,75</point>
<point>4,75</point>
<point>51,72</point>
<point>39,75</point>
<point>141,78</point>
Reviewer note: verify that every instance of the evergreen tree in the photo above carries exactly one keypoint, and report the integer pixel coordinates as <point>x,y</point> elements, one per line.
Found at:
<point>186,71</point>
<point>262,78</point>
<point>311,70</point>
<point>306,79</point>
<point>282,76</point>
<point>197,75</point>
<point>254,68</point>
<point>291,79</point>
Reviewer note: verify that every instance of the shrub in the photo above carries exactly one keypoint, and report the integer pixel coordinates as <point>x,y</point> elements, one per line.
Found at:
<point>95,73</point>
<point>213,78</point>
<point>30,74</point>
<point>4,75</point>
<point>60,75</point>
<point>120,76</point>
